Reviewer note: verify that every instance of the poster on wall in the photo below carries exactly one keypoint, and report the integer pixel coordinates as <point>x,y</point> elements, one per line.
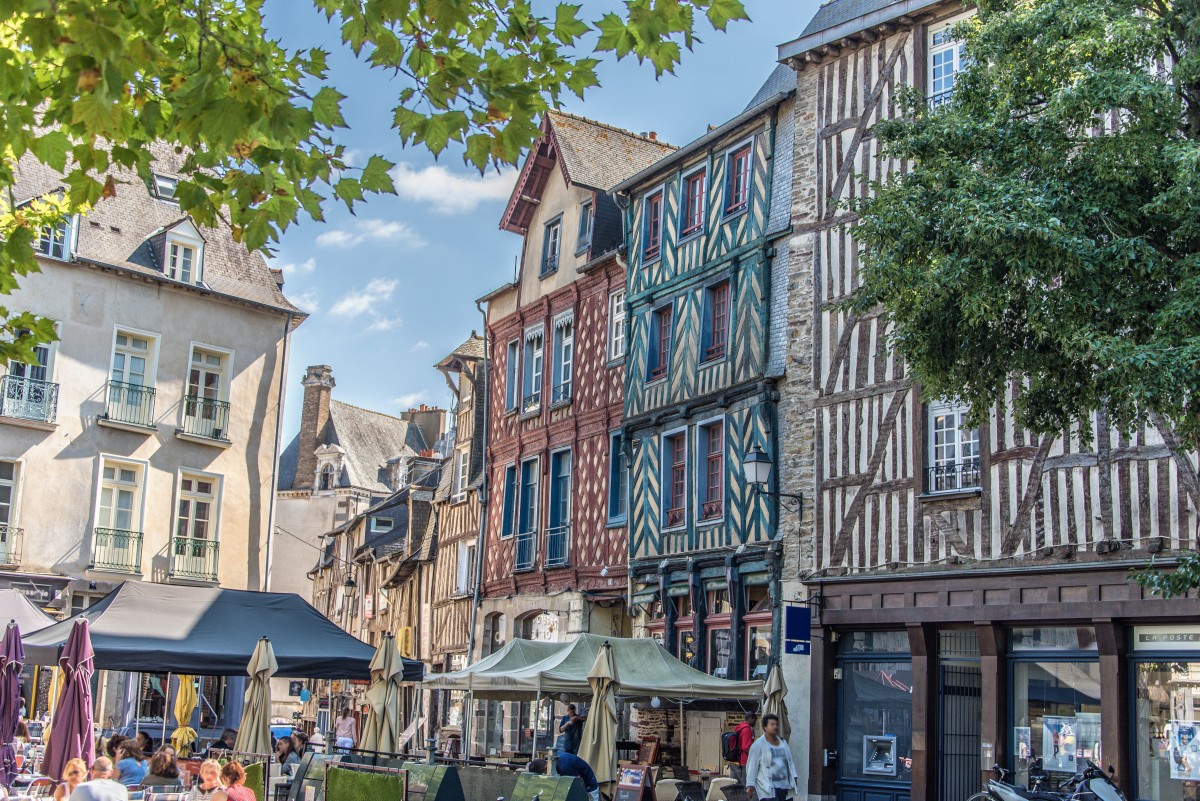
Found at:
<point>1087,738</point>
<point>1185,751</point>
<point>1058,744</point>
<point>1024,739</point>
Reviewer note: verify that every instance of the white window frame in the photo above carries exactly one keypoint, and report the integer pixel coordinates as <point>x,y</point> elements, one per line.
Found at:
<point>117,461</point>
<point>151,377</point>
<point>683,192</point>
<point>955,47</point>
<point>377,529</point>
<point>587,224</point>
<point>224,388</point>
<point>665,467</point>
<point>17,484</point>
<point>157,182</point>
<point>51,358</point>
<point>459,479</point>
<point>214,522</point>
<point>534,342</point>
<point>464,579</point>
<point>185,235</point>
<point>564,351</point>
<point>512,376</point>
<point>70,239</point>
<point>935,409</point>
<point>550,260</point>
<point>700,460</point>
<point>617,313</point>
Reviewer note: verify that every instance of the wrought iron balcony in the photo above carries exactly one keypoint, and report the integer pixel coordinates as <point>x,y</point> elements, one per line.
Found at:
<point>206,417</point>
<point>526,551</point>
<point>953,477</point>
<point>194,558</point>
<point>28,399</point>
<point>549,265</point>
<point>558,546</point>
<point>117,550</point>
<point>12,542</point>
<point>941,99</point>
<point>561,393</point>
<point>130,403</point>
<point>531,403</point>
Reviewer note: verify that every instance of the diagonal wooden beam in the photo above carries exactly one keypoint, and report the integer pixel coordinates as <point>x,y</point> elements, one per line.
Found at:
<point>1187,471</point>
<point>1033,488</point>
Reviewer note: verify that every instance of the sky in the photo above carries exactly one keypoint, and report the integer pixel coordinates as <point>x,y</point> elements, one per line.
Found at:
<point>392,289</point>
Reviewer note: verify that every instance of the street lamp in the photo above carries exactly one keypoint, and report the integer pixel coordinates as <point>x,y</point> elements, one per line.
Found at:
<point>756,466</point>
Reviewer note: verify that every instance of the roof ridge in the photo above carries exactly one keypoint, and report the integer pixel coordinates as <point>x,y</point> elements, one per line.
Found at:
<point>614,128</point>
<point>371,411</point>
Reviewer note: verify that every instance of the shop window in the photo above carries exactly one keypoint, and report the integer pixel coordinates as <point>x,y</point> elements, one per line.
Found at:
<point>1056,716</point>
<point>873,642</point>
<point>1167,712</point>
<point>758,650</point>
<point>687,645</point>
<point>876,718</point>
<point>720,642</point>
<point>719,603</point>
<point>1052,639</point>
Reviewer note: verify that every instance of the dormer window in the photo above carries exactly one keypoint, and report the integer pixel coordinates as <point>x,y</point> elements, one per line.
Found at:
<point>164,186</point>
<point>325,479</point>
<point>381,525</point>
<point>55,241</point>
<point>181,262</point>
<point>183,253</point>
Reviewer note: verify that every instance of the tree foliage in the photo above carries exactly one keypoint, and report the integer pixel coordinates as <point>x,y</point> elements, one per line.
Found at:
<point>87,85</point>
<point>1046,229</point>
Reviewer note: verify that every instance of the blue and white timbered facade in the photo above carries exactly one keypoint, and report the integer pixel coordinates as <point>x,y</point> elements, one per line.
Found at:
<point>699,391</point>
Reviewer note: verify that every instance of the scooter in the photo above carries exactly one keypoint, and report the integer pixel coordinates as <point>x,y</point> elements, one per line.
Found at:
<point>1092,784</point>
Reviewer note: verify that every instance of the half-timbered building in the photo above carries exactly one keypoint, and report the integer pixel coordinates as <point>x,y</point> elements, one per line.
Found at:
<point>974,603</point>
<point>554,562</point>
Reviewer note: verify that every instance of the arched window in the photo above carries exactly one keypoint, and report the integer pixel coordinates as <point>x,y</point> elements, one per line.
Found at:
<point>326,479</point>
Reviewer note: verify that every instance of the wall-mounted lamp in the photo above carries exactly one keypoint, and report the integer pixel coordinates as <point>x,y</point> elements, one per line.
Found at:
<point>757,469</point>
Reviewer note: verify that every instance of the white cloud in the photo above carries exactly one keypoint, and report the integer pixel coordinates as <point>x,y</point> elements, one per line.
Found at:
<point>420,344</point>
<point>309,301</point>
<point>378,230</point>
<point>306,267</point>
<point>411,399</point>
<point>364,303</point>
<point>452,192</point>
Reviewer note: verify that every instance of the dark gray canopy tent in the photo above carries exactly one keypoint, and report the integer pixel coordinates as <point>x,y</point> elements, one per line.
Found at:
<point>142,626</point>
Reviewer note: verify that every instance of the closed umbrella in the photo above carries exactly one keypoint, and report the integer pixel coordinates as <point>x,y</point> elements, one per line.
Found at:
<point>185,704</point>
<point>12,659</point>
<point>71,732</point>
<point>773,702</point>
<point>254,737</point>
<point>598,746</point>
<point>382,731</point>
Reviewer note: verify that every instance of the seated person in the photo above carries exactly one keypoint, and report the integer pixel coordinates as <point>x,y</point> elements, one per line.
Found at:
<point>101,787</point>
<point>164,772</point>
<point>571,765</point>
<point>226,743</point>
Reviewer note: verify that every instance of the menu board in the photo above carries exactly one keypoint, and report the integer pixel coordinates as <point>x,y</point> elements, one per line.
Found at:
<point>633,782</point>
<point>648,751</point>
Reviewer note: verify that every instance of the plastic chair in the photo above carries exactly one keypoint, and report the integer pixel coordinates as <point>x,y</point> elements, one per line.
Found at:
<point>715,792</point>
<point>666,790</point>
<point>40,788</point>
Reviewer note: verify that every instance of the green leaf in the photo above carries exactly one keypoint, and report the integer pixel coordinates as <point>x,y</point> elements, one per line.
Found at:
<point>567,25</point>
<point>327,108</point>
<point>376,176</point>
<point>51,149</point>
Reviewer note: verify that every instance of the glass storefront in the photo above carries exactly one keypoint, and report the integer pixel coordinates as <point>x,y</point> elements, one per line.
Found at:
<point>876,707</point>
<point>1166,711</point>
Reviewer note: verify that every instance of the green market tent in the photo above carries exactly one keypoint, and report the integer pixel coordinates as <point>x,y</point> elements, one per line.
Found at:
<point>646,669</point>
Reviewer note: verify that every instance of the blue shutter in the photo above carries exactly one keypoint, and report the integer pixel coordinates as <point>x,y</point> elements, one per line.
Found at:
<point>652,344</point>
<point>510,496</point>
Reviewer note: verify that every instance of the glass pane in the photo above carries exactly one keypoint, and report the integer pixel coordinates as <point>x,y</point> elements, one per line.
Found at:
<point>718,652</point>
<point>1056,716</point>
<point>876,707</point>
<point>7,471</point>
<point>759,661</point>
<point>873,642</point>
<point>1168,748</point>
<point>1051,639</point>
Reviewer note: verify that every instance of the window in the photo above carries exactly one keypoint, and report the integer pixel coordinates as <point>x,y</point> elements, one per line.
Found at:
<point>510,501</point>
<point>527,517</point>
<point>131,379</point>
<point>659,357</point>
<point>618,480</point>
<point>120,496</point>
<point>712,490</point>
<point>532,384</point>
<point>953,449</point>
<point>616,325</point>
<point>197,500</point>
<point>586,217</point>
<point>558,535</point>
<point>8,494</point>
<point>945,62</point>
<point>737,181</point>
<point>564,354</point>
<point>693,203</point>
<point>459,479</point>
<point>464,580</point>
<point>652,226</point>
<point>674,481</point>
<point>551,244</point>
<point>131,359</point>
<point>325,478</point>
<point>40,369</point>
<point>205,410</point>
<point>180,262</point>
<point>512,374</point>
<point>381,525</point>
<point>55,241</point>
<point>720,642</point>
<point>164,186</point>
<point>716,321</point>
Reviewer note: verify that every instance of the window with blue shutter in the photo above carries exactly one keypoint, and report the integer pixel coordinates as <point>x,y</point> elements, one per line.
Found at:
<point>551,245</point>
<point>618,496</point>
<point>512,377</point>
<point>510,499</point>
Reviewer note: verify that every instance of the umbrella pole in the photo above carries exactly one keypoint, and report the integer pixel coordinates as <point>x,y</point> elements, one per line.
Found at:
<point>137,707</point>
<point>166,706</point>
<point>469,725</point>
<point>682,735</point>
<point>537,724</point>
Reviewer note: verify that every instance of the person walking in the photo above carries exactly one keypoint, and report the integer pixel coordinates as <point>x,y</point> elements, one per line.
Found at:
<point>345,730</point>
<point>570,731</point>
<point>743,738</point>
<point>770,771</point>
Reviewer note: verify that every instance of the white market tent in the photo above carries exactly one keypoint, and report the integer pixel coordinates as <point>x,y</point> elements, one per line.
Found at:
<point>16,606</point>
<point>523,669</point>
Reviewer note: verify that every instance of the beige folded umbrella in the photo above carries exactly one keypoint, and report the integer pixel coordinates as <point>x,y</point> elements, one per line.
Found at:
<point>598,746</point>
<point>254,736</point>
<point>773,703</point>
<point>383,731</point>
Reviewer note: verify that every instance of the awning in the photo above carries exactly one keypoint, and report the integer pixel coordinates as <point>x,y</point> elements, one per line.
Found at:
<point>645,667</point>
<point>14,605</point>
<point>210,631</point>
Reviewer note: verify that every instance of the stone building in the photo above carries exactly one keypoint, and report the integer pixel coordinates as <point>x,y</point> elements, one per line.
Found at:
<point>142,444</point>
<point>971,586</point>
<point>555,536</point>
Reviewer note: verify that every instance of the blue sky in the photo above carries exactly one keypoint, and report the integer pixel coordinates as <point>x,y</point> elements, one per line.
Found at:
<point>392,289</point>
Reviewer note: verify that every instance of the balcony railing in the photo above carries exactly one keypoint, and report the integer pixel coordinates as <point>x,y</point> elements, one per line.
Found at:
<point>531,403</point>
<point>561,393</point>
<point>28,399</point>
<point>130,403</point>
<point>12,542</point>
<point>206,417</point>
<point>941,99</point>
<point>117,550</point>
<point>558,545</point>
<point>526,551</point>
<point>673,517</point>
<point>657,372</point>
<point>549,265</point>
<point>711,510</point>
<point>194,558</point>
<point>953,477</point>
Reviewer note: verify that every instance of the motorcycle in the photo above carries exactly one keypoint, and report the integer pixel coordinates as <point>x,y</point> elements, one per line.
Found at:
<point>1090,784</point>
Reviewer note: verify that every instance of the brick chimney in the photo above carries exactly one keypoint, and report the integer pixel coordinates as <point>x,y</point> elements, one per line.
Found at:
<point>429,420</point>
<point>318,387</point>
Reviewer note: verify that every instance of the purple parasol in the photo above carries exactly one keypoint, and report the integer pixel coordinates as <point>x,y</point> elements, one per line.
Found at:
<point>12,659</point>
<point>71,733</point>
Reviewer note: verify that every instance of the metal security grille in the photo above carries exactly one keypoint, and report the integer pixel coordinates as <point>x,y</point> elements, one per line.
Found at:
<point>961,711</point>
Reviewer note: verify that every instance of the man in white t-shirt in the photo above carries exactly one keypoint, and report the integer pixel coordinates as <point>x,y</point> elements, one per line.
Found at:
<point>101,787</point>
<point>769,768</point>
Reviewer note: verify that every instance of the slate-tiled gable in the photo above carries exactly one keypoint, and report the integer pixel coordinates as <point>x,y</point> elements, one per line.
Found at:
<point>599,156</point>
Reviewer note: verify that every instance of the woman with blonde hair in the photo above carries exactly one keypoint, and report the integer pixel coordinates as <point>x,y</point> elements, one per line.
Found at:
<point>234,776</point>
<point>209,788</point>
<point>74,774</point>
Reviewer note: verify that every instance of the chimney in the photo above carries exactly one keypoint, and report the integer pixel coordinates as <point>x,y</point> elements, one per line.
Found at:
<point>314,418</point>
<point>429,420</point>
<point>652,136</point>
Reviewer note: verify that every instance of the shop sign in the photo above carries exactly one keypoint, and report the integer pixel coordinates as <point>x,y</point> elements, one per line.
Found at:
<point>1166,638</point>
<point>368,606</point>
<point>797,630</point>
<point>544,627</point>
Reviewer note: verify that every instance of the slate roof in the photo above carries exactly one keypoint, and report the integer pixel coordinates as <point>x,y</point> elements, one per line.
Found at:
<point>835,12</point>
<point>472,348</point>
<point>369,440</point>
<point>781,79</point>
<point>838,13</point>
<point>117,230</point>
<point>599,156</point>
